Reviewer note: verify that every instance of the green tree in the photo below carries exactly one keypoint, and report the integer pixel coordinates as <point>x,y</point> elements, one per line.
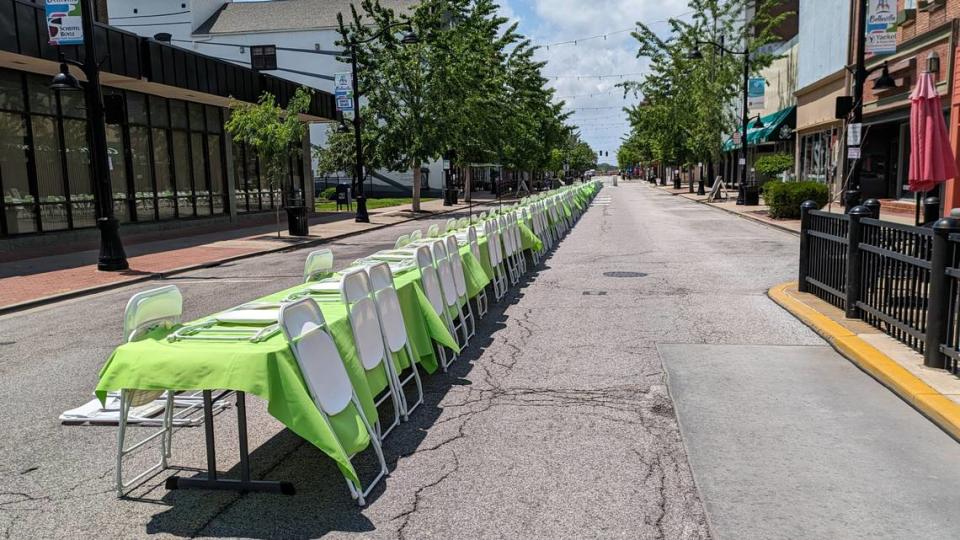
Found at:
<point>275,133</point>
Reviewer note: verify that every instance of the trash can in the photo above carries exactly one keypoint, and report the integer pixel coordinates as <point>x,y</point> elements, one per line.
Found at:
<point>297,224</point>
<point>344,196</point>
<point>751,195</point>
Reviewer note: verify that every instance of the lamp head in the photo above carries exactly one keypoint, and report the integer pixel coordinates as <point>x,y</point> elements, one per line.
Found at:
<point>884,81</point>
<point>759,123</point>
<point>64,81</point>
<point>410,38</point>
<point>342,128</point>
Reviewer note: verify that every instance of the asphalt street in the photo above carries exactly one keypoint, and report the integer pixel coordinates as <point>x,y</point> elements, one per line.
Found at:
<point>559,421</point>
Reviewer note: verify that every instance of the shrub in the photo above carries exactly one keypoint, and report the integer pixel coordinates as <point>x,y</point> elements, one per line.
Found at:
<point>772,164</point>
<point>785,198</point>
<point>329,194</point>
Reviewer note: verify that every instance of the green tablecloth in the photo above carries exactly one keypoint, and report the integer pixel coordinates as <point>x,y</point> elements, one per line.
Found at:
<point>269,370</point>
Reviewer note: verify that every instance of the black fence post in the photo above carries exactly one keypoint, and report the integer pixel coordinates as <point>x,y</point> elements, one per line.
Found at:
<point>874,206</point>
<point>854,235</point>
<point>805,209</point>
<point>938,302</point>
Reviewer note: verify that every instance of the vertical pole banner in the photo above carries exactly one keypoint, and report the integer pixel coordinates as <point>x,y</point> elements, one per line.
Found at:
<point>756,89</point>
<point>881,27</point>
<point>64,22</point>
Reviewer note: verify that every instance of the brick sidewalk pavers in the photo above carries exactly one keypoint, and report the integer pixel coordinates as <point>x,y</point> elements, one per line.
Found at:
<point>31,281</point>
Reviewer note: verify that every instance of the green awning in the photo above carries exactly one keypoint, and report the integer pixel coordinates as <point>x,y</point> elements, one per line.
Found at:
<point>771,130</point>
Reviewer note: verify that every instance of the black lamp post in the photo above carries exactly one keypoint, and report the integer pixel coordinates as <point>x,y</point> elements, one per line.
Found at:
<point>851,197</point>
<point>112,257</point>
<point>408,39</point>
<point>695,54</point>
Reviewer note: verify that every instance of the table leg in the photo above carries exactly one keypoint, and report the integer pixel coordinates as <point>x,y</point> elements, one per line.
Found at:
<point>211,481</point>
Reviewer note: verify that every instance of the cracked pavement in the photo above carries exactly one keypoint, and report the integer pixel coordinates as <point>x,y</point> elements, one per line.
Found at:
<point>556,421</point>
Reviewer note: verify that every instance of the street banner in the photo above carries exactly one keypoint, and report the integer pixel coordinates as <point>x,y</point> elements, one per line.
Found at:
<point>756,90</point>
<point>64,22</point>
<point>881,27</point>
<point>343,91</point>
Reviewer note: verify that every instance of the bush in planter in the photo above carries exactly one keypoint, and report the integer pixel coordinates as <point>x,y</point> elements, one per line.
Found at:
<point>785,198</point>
<point>329,194</point>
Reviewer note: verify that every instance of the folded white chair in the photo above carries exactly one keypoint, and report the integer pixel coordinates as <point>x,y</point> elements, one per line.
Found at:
<point>402,241</point>
<point>433,231</point>
<point>395,332</point>
<point>460,281</point>
<point>496,259</point>
<point>368,338</point>
<point>319,265</point>
<point>448,286</point>
<point>431,288</point>
<point>450,226</point>
<point>416,235</point>
<point>509,251</point>
<point>462,223</point>
<point>481,298</point>
<point>326,377</point>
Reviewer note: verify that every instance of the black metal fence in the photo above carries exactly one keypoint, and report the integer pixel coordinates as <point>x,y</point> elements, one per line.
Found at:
<point>901,279</point>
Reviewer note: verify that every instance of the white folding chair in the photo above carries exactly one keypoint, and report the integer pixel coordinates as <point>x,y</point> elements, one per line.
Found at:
<point>402,241</point>
<point>146,311</point>
<point>448,286</point>
<point>326,377</point>
<point>481,298</point>
<point>508,249</point>
<point>368,338</point>
<point>450,226</point>
<point>462,223</point>
<point>433,231</point>
<point>431,288</point>
<point>496,259</point>
<point>395,331</point>
<point>514,221</point>
<point>319,265</point>
<point>460,281</point>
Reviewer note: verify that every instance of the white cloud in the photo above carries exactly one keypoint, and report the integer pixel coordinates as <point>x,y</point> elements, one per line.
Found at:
<point>555,21</point>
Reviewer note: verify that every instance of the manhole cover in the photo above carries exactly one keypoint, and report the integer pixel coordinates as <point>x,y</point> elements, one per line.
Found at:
<point>624,274</point>
<point>594,293</point>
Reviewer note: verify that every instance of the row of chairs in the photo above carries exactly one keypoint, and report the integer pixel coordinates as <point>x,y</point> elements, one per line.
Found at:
<point>373,307</point>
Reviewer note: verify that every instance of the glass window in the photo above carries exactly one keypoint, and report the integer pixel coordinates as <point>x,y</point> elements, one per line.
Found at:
<point>46,155</point>
<point>181,163</point>
<point>118,173</point>
<point>142,177</point>
<point>18,204</point>
<point>253,179</point>
<point>196,117</point>
<point>11,90</point>
<point>178,114</point>
<point>158,112</point>
<point>166,197</point>
<point>72,104</point>
<point>217,180</point>
<point>78,171</point>
<point>42,99</point>
<point>239,178</point>
<point>200,184</point>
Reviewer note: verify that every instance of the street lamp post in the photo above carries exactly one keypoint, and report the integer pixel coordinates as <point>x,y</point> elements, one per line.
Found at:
<point>695,54</point>
<point>408,39</point>
<point>112,257</point>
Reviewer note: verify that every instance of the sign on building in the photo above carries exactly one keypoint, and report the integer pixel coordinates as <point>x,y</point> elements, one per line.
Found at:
<point>64,22</point>
<point>881,27</point>
<point>756,89</point>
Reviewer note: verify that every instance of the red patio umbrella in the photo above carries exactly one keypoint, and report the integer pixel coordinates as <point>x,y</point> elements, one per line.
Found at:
<point>931,158</point>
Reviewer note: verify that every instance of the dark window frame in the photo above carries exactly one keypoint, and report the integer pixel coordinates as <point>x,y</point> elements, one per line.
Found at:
<point>263,57</point>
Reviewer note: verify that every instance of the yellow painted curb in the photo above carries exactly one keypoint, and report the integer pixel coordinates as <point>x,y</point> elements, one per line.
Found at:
<point>940,409</point>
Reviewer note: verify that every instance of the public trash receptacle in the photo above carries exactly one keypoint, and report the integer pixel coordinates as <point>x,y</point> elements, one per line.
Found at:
<point>751,195</point>
<point>297,223</point>
<point>343,196</point>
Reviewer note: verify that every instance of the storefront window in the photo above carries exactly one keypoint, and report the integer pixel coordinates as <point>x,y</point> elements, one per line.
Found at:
<point>118,173</point>
<point>82,205</point>
<point>200,183</point>
<point>46,154</point>
<point>217,183</point>
<point>19,208</point>
<point>166,196</point>
<point>142,177</point>
<point>181,162</point>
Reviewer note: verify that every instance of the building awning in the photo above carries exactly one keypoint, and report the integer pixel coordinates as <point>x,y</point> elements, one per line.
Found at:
<point>772,130</point>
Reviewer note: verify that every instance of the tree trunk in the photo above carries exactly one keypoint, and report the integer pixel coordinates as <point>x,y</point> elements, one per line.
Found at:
<point>467,184</point>
<point>416,186</point>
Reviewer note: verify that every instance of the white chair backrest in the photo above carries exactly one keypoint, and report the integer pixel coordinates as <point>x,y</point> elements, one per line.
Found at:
<point>451,225</point>
<point>505,234</point>
<point>462,223</point>
<point>429,279</point>
<point>456,264</point>
<point>402,241</point>
<point>318,262</point>
<point>474,243</point>
<point>493,243</point>
<point>388,305</point>
<point>483,216</point>
<point>320,363</point>
<point>148,309</point>
<point>416,235</point>
<point>367,335</point>
<point>433,231</point>
<point>445,271</point>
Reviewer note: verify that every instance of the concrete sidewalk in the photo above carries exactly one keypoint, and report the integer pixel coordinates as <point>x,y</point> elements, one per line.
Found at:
<point>29,282</point>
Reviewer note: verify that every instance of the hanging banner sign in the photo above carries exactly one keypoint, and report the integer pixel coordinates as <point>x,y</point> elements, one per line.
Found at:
<point>881,27</point>
<point>756,89</point>
<point>64,22</point>
<point>343,91</point>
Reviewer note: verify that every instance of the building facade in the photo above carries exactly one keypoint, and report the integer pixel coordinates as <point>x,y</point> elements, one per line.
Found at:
<point>171,162</point>
<point>291,39</point>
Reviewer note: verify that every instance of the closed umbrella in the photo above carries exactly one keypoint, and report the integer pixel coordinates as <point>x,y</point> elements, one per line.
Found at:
<point>931,158</point>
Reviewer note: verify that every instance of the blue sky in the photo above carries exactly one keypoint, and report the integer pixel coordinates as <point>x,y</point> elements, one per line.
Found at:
<point>597,107</point>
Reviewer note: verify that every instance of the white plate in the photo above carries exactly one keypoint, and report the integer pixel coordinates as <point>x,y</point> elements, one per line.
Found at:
<point>249,316</point>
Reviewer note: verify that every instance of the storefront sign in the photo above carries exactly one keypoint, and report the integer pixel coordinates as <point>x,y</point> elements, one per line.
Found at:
<point>756,89</point>
<point>853,152</point>
<point>853,134</point>
<point>881,27</point>
<point>343,91</point>
<point>64,22</point>
<point>737,138</point>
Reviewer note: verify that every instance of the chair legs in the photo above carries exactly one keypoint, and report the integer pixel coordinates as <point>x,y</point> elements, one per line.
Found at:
<point>164,434</point>
<point>357,491</point>
<point>414,376</point>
